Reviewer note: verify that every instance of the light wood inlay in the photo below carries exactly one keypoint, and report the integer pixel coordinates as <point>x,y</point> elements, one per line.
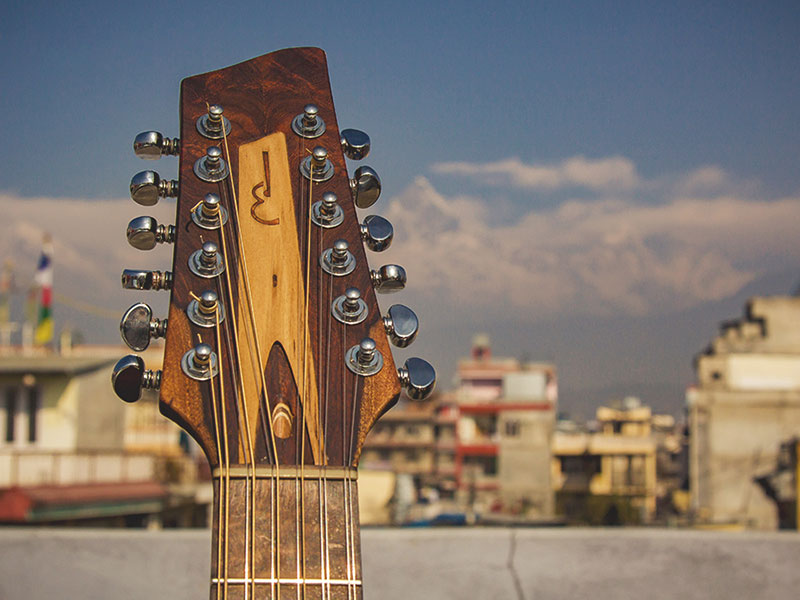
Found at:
<point>268,229</point>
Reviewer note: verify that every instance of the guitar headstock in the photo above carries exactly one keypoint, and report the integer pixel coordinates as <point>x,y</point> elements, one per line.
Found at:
<point>275,350</point>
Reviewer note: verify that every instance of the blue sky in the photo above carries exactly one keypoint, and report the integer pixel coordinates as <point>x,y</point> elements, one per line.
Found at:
<point>593,129</point>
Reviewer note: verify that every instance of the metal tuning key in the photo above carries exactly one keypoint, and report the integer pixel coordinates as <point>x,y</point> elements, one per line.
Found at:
<point>207,261</point>
<point>211,125</point>
<point>211,167</point>
<point>364,359</point>
<point>355,143</point>
<point>144,233</point>
<point>388,279</point>
<point>338,260</point>
<point>350,308</point>
<point>129,378</point>
<point>401,325</point>
<point>366,186</point>
<point>327,213</point>
<point>200,363</point>
<point>318,166</point>
<point>377,233</point>
<point>309,124</point>
<point>135,279</point>
<point>138,327</point>
<point>147,187</point>
<point>151,145</point>
<point>418,378</point>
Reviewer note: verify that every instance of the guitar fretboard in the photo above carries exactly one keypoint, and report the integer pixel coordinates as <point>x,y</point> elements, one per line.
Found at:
<point>291,536</point>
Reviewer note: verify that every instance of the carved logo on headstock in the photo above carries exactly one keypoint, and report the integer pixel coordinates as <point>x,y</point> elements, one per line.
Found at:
<point>264,188</point>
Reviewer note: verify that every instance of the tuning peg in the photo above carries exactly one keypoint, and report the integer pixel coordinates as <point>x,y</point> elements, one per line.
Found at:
<point>388,279</point>
<point>377,233</point>
<point>130,377</point>
<point>366,186</point>
<point>309,124</point>
<point>355,143</point>
<point>147,187</point>
<point>135,279</point>
<point>144,233</point>
<point>213,125</point>
<point>418,378</point>
<point>401,325</point>
<point>200,363</point>
<point>138,326</point>
<point>211,167</point>
<point>151,145</point>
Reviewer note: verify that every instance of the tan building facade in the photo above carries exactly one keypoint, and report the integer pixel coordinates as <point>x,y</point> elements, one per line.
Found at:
<point>746,404</point>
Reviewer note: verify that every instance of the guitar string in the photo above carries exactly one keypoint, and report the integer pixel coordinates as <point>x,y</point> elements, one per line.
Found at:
<point>300,445</point>
<point>275,493</point>
<point>224,463</point>
<point>345,461</point>
<point>304,396</point>
<point>349,484</point>
<point>322,417</point>
<point>225,437</point>
<point>243,412</point>
<point>325,568</point>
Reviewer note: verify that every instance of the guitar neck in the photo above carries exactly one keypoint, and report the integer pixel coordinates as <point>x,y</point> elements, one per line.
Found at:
<point>291,532</point>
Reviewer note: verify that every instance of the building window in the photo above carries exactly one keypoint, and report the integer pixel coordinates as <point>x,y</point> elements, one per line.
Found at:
<point>11,413</point>
<point>32,400</point>
<point>512,428</point>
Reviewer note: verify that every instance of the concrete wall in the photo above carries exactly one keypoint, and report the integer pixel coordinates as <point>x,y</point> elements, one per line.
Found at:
<point>441,564</point>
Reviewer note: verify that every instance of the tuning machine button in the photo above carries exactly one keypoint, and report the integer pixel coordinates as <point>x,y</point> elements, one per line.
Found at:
<point>147,187</point>
<point>135,279</point>
<point>318,166</point>
<point>338,260</point>
<point>388,279</point>
<point>138,326</point>
<point>366,186</point>
<point>211,124</point>
<point>309,124</point>
<point>200,363</point>
<point>327,213</point>
<point>365,358</point>
<point>417,377</point>
<point>144,233</point>
<point>355,143</point>
<point>350,308</point>
<point>129,378</point>
<point>401,325</point>
<point>211,167</point>
<point>377,233</point>
<point>151,145</point>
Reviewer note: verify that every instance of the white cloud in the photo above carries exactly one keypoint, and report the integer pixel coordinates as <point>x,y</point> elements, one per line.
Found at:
<point>613,173</point>
<point>607,256</point>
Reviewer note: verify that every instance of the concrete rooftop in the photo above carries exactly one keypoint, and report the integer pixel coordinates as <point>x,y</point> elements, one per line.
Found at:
<point>403,564</point>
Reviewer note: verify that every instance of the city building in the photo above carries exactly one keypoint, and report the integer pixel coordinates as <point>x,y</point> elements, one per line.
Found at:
<point>743,409</point>
<point>504,412</point>
<point>608,476</point>
<point>72,453</point>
